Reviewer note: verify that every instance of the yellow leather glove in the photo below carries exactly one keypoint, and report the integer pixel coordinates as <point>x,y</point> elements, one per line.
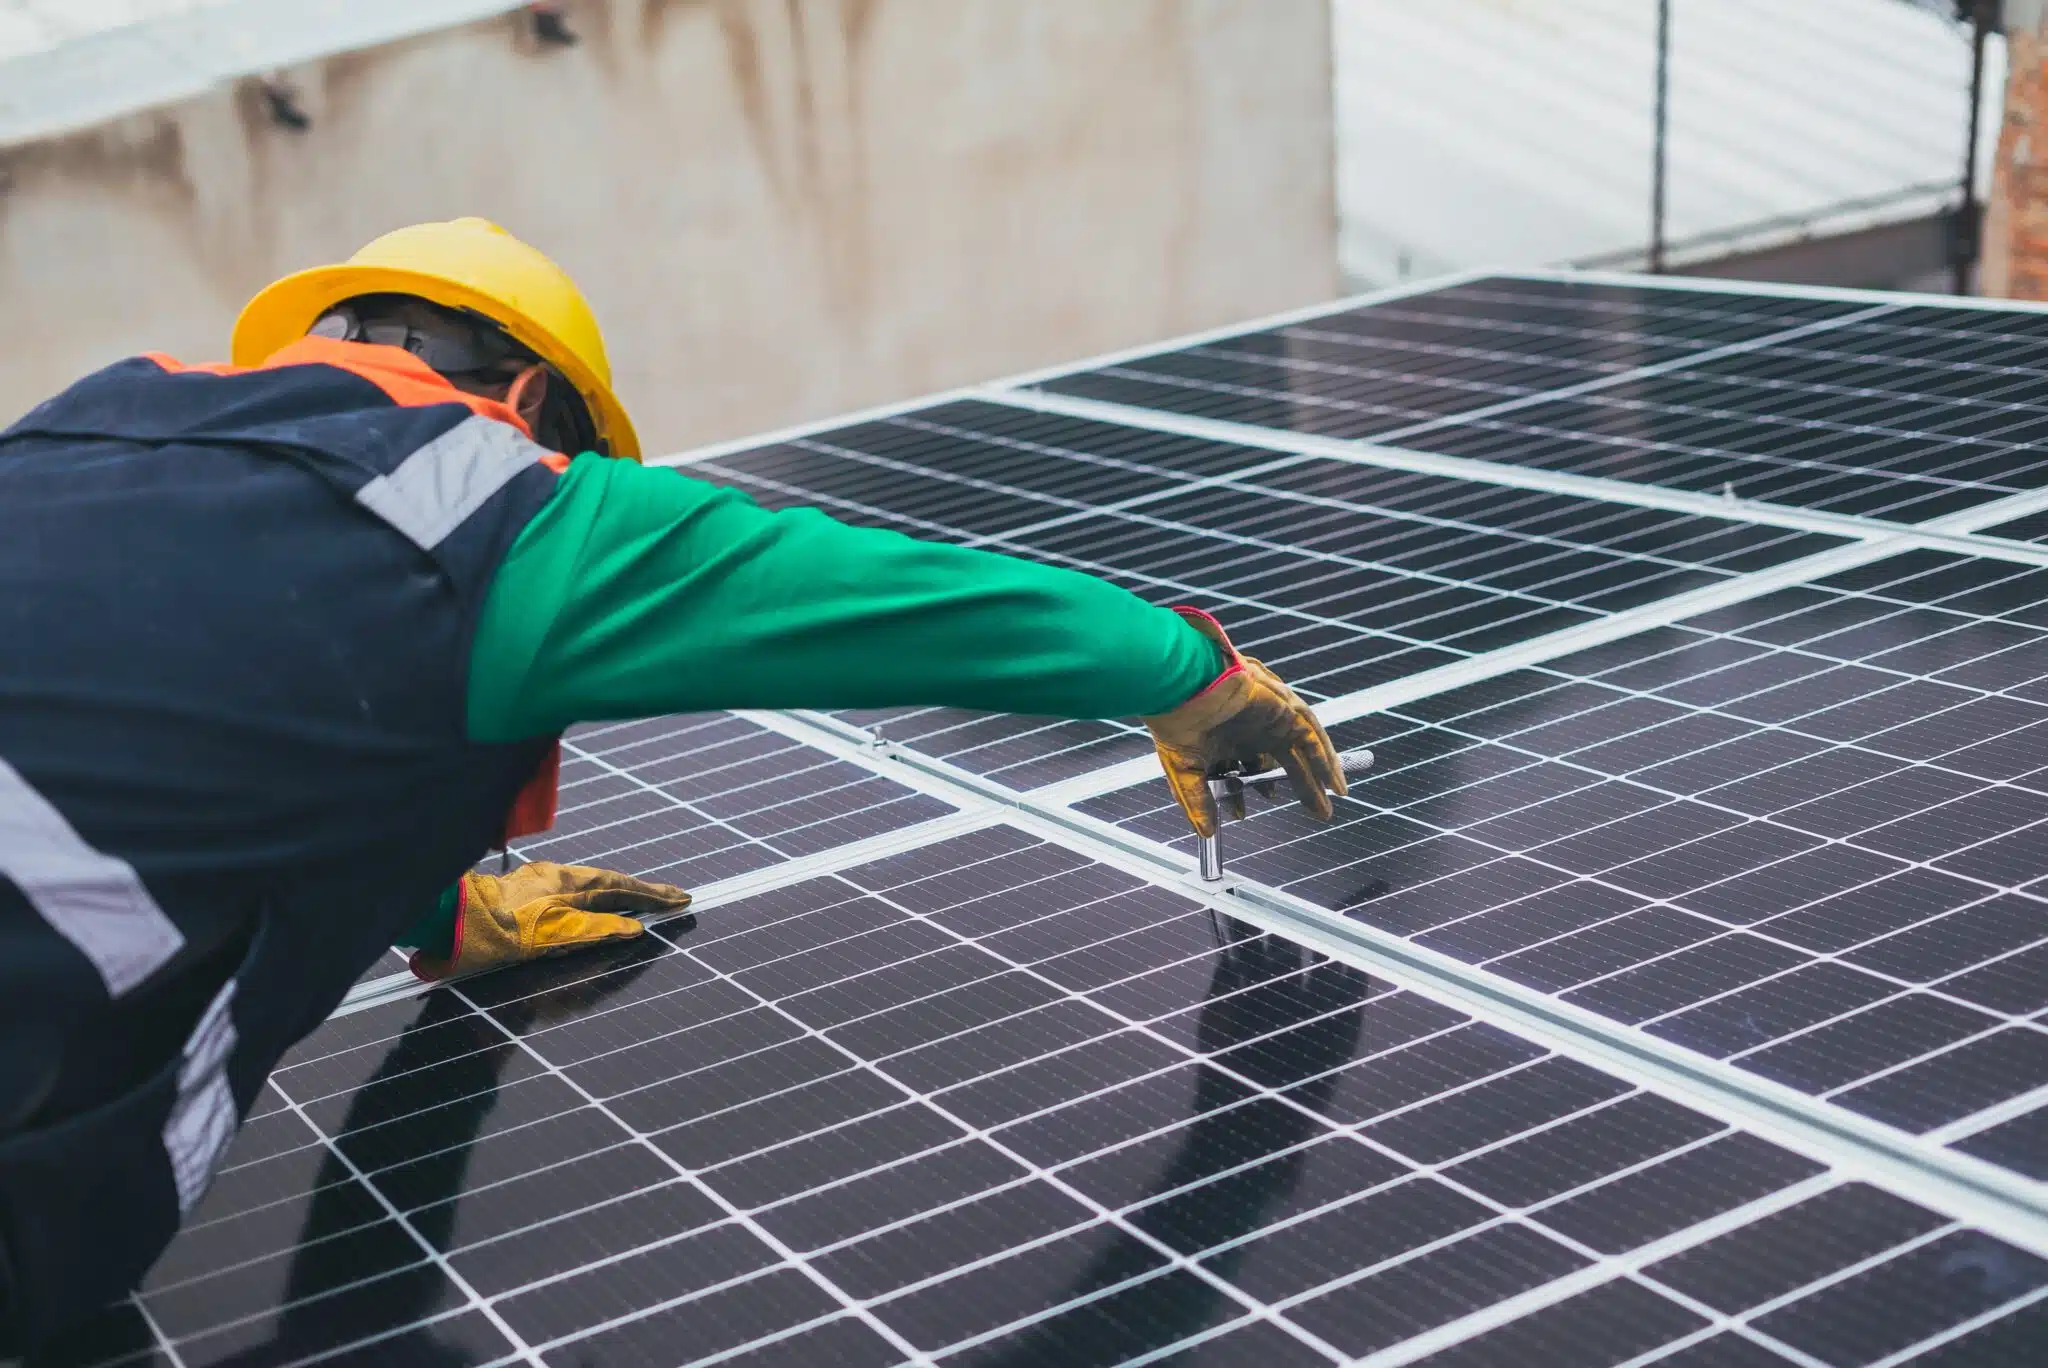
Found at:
<point>543,909</point>
<point>1247,719</point>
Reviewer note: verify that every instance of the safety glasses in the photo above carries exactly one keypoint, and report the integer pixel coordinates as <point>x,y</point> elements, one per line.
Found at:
<point>449,341</point>
<point>467,347</point>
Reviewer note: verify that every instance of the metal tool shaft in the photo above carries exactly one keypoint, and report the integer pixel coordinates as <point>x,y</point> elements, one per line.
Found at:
<point>1353,762</point>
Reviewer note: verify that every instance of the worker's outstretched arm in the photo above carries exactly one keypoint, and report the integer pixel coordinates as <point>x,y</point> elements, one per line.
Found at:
<point>640,591</point>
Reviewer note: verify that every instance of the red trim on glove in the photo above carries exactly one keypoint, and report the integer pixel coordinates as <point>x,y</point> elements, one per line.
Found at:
<point>1236,665</point>
<point>454,941</point>
<point>1236,668</point>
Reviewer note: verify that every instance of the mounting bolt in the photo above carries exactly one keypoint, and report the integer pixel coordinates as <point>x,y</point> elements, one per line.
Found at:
<point>282,104</point>
<point>551,26</point>
<point>1210,853</point>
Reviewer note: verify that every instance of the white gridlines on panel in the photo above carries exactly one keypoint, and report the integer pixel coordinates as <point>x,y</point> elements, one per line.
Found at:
<point>1942,1179</point>
<point>1289,444</point>
<point>1599,1270</point>
<point>1798,342</point>
<point>1731,513</point>
<point>1957,1129</point>
<point>1311,312</point>
<point>1380,454</point>
<point>1890,543</point>
<point>1576,1282</point>
<point>1016,540</point>
<point>1873,546</point>
<point>1514,397</point>
<point>614,840</point>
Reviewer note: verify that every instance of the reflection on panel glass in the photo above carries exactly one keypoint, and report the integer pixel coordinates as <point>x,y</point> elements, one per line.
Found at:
<point>1339,576</point>
<point>991,1102</point>
<point>1807,833</point>
<point>1382,370</point>
<point>1906,413</point>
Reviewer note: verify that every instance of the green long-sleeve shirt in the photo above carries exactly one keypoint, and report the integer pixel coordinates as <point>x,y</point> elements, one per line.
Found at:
<point>638,591</point>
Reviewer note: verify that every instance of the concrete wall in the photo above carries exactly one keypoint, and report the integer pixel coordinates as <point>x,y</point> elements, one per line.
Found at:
<point>782,208</point>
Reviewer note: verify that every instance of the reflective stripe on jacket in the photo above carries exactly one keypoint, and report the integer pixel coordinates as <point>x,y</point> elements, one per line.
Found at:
<point>238,609</point>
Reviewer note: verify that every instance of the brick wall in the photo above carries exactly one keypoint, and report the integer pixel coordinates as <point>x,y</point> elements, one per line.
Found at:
<point>2015,262</point>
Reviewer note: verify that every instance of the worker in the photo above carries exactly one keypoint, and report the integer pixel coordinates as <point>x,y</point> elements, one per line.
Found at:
<point>291,645</point>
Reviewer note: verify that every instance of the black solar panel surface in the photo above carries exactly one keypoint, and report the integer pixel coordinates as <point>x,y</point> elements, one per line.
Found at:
<point>1808,833</point>
<point>2032,528</point>
<point>1880,410</point>
<point>987,1101</point>
<point>1415,361</point>
<point>998,1104</point>
<point>691,800</point>
<point>1340,576</point>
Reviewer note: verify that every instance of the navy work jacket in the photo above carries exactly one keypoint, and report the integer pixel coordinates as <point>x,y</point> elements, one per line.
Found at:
<point>236,610</point>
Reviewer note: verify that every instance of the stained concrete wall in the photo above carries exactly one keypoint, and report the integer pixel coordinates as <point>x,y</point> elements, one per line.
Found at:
<point>782,208</point>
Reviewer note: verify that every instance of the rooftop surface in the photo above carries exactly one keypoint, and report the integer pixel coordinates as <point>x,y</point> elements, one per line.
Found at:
<point>1674,991</point>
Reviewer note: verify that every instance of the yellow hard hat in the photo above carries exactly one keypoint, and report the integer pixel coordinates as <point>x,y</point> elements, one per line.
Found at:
<point>466,263</point>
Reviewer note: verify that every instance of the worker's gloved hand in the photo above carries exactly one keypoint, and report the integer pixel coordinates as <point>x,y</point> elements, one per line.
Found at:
<point>543,909</point>
<point>1247,719</point>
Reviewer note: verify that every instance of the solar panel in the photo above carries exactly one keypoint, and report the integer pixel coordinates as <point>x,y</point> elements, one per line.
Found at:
<point>1337,575</point>
<point>1884,410</point>
<point>2033,528</point>
<point>703,799</point>
<point>1386,369</point>
<point>692,800</point>
<point>991,1102</point>
<point>1805,833</point>
<point>1671,993</point>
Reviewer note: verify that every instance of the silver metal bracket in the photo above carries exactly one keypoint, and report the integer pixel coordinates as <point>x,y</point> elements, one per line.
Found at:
<point>1209,866</point>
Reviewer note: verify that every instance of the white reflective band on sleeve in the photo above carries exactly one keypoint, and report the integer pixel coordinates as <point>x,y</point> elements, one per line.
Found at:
<point>95,901</point>
<point>449,478</point>
<point>203,1118</point>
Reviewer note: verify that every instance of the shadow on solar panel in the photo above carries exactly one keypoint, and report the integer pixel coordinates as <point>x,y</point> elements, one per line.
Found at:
<point>992,1098</point>
<point>332,1287</point>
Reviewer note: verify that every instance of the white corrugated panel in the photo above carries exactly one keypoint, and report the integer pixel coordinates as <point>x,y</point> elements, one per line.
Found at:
<point>1518,132</point>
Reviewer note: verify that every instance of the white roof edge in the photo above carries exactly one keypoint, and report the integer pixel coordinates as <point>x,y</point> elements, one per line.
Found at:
<point>1847,294</point>
<point>1910,204</point>
<point>146,65</point>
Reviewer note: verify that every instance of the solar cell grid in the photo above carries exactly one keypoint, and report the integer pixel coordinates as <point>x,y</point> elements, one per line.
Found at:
<point>2033,528</point>
<point>1805,833</point>
<point>1906,416</point>
<point>988,1101</point>
<point>1414,361</point>
<point>1887,411</point>
<point>1061,1114</point>
<point>1339,576</point>
<point>692,800</point>
<point>1700,431</point>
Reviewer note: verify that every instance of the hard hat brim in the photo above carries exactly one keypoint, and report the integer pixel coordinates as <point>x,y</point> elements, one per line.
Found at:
<point>283,311</point>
